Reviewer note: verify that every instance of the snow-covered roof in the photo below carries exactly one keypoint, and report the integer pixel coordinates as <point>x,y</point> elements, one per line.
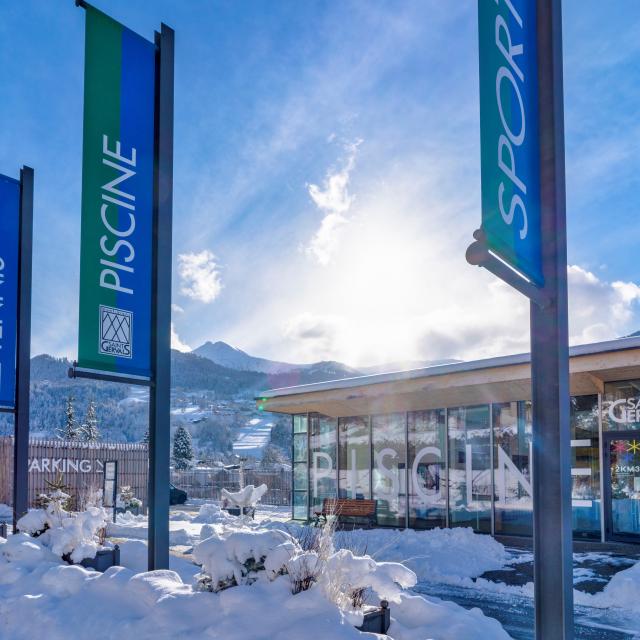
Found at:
<point>594,349</point>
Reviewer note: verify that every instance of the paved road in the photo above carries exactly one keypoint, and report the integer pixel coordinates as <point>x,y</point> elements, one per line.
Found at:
<point>592,571</point>
<point>515,613</point>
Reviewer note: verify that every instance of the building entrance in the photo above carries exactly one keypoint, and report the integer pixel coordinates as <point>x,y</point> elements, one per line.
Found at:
<point>622,486</point>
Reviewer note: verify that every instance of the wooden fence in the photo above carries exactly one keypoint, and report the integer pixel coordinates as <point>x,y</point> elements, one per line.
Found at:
<point>208,483</point>
<point>79,464</point>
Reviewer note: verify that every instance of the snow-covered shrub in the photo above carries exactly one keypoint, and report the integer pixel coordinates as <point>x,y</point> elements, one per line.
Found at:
<point>238,559</point>
<point>206,531</point>
<point>91,496</point>
<point>72,537</point>
<point>346,578</point>
<point>303,570</point>
<point>126,500</point>
<point>34,522</point>
<point>211,513</point>
<point>247,497</point>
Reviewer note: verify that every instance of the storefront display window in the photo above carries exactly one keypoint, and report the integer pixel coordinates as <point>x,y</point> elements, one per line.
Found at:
<point>585,466</point>
<point>300,467</point>
<point>323,460</point>
<point>464,466</point>
<point>354,458</point>
<point>621,406</point>
<point>513,493</point>
<point>389,468</point>
<point>427,469</point>
<point>470,467</point>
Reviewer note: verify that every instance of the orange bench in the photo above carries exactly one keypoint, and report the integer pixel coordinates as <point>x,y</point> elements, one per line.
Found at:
<point>347,509</point>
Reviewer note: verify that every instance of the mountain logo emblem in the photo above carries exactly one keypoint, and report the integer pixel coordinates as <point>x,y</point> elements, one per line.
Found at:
<point>115,332</point>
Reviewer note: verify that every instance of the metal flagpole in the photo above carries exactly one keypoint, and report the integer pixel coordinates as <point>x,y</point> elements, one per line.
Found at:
<point>552,535</point>
<point>23,355</point>
<point>533,28</point>
<point>160,390</point>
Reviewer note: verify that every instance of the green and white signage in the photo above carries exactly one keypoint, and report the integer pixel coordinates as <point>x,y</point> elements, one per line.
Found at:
<point>117,199</point>
<point>510,133</point>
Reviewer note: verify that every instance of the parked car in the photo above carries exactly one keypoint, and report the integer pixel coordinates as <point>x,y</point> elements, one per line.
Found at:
<point>177,496</point>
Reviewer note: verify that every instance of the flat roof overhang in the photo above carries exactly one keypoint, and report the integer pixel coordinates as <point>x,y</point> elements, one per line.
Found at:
<point>502,379</point>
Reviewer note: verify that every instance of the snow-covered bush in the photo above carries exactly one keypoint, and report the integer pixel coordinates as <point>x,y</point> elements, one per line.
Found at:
<point>73,537</point>
<point>346,579</point>
<point>303,569</point>
<point>211,513</point>
<point>126,500</point>
<point>247,497</point>
<point>238,559</point>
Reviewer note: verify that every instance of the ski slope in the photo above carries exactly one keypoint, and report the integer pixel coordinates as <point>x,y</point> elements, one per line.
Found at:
<point>253,438</point>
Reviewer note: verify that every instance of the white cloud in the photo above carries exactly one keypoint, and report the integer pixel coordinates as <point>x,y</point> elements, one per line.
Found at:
<point>176,308</point>
<point>316,335</point>
<point>600,310</point>
<point>176,343</point>
<point>200,276</point>
<point>334,200</point>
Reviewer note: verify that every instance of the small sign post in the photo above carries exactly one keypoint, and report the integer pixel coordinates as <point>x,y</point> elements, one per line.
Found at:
<point>110,488</point>
<point>16,234</point>
<point>523,241</point>
<point>125,257</point>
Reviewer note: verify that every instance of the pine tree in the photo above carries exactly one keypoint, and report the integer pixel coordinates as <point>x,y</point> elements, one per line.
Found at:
<point>89,428</point>
<point>182,448</point>
<point>70,431</point>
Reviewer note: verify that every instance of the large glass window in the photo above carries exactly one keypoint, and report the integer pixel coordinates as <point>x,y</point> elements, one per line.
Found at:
<point>300,468</point>
<point>389,468</point>
<point>621,406</point>
<point>323,460</point>
<point>513,492</point>
<point>585,466</point>
<point>354,458</point>
<point>470,468</point>
<point>427,468</point>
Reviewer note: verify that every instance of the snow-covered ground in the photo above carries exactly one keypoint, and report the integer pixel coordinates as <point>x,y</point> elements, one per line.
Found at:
<point>38,592</point>
<point>253,438</point>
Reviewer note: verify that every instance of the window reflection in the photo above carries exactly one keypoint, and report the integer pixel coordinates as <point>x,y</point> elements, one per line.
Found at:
<point>323,460</point>
<point>470,468</point>
<point>585,466</point>
<point>300,468</point>
<point>621,406</point>
<point>354,458</point>
<point>427,488</point>
<point>389,470</point>
<point>512,433</point>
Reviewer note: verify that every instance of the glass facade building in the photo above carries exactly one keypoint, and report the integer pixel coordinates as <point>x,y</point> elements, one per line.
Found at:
<point>470,466</point>
<point>452,445</point>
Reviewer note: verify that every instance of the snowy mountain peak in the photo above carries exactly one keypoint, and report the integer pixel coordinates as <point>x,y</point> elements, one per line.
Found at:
<point>227,356</point>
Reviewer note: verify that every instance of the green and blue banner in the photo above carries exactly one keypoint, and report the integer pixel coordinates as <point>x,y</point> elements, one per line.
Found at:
<point>117,199</point>
<point>9,268</point>
<point>510,133</point>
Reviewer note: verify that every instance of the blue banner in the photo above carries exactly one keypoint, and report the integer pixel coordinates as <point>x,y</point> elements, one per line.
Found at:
<point>117,200</point>
<point>9,245</point>
<point>509,133</point>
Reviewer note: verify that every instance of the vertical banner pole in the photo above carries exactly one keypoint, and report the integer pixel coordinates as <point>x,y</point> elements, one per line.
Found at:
<point>23,356</point>
<point>160,391</point>
<point>553,576</point>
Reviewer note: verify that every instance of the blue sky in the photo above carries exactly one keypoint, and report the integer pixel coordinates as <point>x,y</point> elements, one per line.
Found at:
<point>327,173</point>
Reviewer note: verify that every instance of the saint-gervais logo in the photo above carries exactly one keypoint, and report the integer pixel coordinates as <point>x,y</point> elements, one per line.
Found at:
<point>115,332</point>
<point>624,411</point>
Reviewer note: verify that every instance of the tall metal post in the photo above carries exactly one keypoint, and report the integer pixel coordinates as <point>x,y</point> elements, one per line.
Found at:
<point>552,537</point>
<point>23,355</point>
<point>160,390</point>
